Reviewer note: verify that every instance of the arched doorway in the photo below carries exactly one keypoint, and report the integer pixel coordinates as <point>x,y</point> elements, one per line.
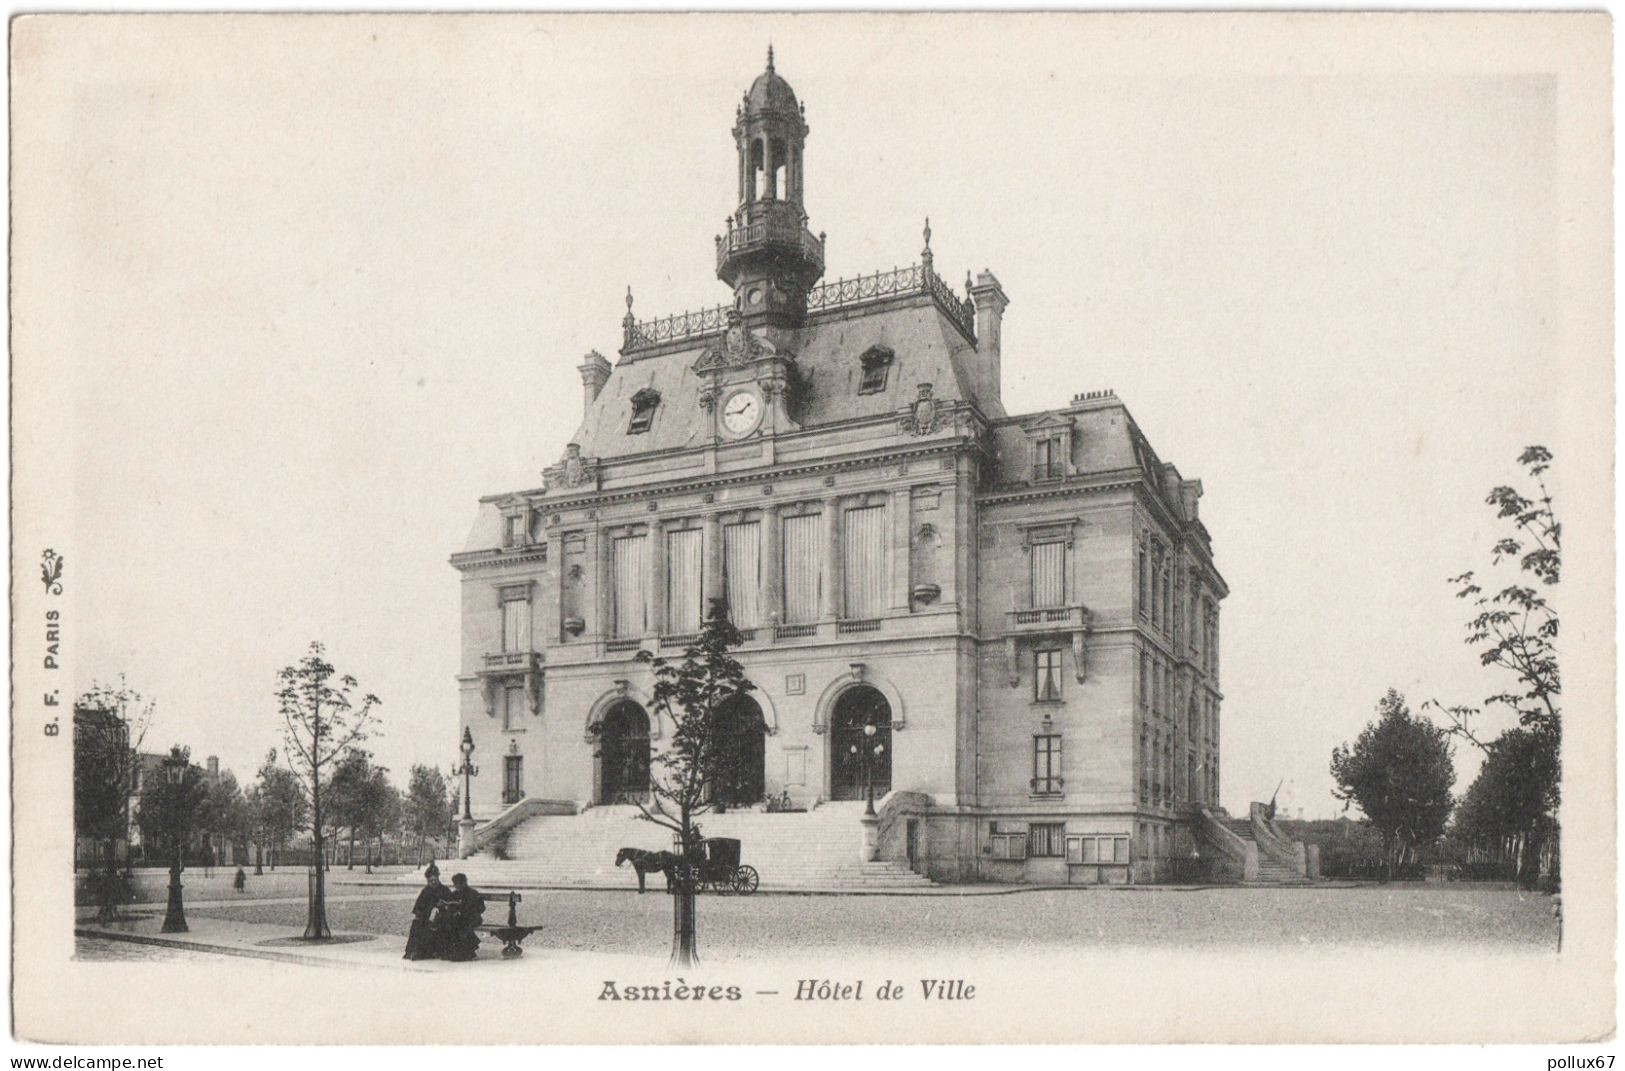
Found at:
<point>623,753</point>
<point>859,757</point>
<point>742,777</point>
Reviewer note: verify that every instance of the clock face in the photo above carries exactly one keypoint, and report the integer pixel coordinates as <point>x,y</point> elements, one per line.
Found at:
<point>741,413</point>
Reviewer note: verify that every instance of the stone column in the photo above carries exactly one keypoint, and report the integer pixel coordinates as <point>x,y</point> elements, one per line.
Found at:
<point>902,531</point>
<point>657,578</point>
<point>833,574</point>
<point>553,608</point>
<point>711,582</point>
<point>770,601</point>
<point>602,576</point>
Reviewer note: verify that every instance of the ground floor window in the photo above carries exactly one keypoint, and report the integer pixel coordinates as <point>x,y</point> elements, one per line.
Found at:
<point>1007,840</point>
<point>1097,848</point>
<point>1045,840</point>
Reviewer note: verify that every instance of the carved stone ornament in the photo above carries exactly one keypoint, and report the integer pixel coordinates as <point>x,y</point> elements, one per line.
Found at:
<point>923,415</point>
<point>737,348</point>
<point>574,470</point>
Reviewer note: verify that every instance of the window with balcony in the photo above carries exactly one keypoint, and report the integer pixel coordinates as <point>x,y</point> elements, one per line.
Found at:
<point>876,364</point>
<point>1049,574</point>
<point>1046,840</point>
<point>863,546</point>
<point>1047,765</point>
<point>802,558</point>
<point>741,572</point>
<point>644,404</point>
<point>684,588</point>
<point>630,558</point>
<point>1047,676</point>
<point>515,620</point>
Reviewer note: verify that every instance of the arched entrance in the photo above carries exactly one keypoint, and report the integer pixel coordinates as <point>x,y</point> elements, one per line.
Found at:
<point>859,757</point>
<point>742,777</point>
<point>623,753</point>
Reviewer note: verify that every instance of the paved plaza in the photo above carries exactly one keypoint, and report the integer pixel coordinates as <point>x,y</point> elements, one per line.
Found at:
<point>975,919</point>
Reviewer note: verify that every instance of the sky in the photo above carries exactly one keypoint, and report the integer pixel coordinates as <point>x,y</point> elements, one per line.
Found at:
<point>331,278</point>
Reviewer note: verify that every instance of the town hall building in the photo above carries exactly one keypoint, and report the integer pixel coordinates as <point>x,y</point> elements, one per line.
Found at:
<point>1003,625</point>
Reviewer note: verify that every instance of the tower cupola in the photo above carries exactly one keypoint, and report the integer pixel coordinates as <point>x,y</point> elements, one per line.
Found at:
<point>767,254</point>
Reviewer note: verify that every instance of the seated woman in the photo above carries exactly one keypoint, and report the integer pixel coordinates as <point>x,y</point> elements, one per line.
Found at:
<point>421,941</point>
<point>460,911</point>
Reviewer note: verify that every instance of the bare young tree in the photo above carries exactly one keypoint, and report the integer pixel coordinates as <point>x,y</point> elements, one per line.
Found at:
<point>323,720</point>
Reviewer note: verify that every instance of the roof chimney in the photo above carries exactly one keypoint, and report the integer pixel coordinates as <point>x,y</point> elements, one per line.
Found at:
<point>990,302</point>
<point>594,374</point>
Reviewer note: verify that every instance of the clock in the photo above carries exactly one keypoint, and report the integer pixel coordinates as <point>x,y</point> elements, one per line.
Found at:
<point>741,413</point>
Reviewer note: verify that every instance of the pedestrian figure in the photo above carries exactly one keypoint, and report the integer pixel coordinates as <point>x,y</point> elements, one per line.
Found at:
<point>240,881</point>
<point>421,941</point>
<point>460,912</point>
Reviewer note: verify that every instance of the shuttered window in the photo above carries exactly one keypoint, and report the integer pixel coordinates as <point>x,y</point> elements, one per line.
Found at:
<point>516,625</point>
<point>742,571</point>
<point>684,555</point>
<point>802,555</point>
<point>631,560</point>
<point>863,542</point>
<point>1049,574</point>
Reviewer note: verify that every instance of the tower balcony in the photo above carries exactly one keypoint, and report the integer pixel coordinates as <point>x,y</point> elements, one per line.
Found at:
<point>779,234</point>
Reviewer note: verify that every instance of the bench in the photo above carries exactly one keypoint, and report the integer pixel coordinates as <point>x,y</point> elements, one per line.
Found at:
<point>512,934</point>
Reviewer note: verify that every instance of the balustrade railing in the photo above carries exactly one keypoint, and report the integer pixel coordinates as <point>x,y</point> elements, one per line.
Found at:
<point>839,294</point>
<point>778,231</point>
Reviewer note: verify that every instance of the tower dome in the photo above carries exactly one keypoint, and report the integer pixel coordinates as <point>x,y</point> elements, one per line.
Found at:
<point>771,93</point>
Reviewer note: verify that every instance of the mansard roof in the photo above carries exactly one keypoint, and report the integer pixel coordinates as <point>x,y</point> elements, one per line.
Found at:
<point>828,354</point>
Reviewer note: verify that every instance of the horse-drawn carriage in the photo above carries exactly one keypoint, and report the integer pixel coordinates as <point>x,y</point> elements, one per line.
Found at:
<point>717,867</point>
<point>713,864</point>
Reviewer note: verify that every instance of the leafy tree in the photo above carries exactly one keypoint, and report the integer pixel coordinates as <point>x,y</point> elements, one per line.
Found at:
<point>378,811</point>
<point>427,809</point>
<point>224,812</point>
<point>696,695</point>
<point>1508,811</point>
<point>1399,773</point>
<point>170,812</point>
<point>323,720</point>
<point>345,792</point>
<point>277,805</point>
<point>109,724</point>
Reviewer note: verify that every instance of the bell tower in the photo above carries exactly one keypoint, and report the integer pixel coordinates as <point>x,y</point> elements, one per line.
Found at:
<point>767,254</point>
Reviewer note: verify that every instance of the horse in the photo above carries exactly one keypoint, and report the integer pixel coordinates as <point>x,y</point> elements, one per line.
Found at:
<point>645,861</point>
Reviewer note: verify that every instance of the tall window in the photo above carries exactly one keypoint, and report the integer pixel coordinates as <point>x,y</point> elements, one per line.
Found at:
<point>1145,678</point>
<point>1047,459</point>
<point>631,564</point>
<point>1046,764</point>
<point>1047,676</point>
<point>515,621</point>
<point>513,534</point>
<point>1158,578</point>
<point>1049,573</point>
<point>513,707</point>
<point>1046,840</point>
<point>801,559</point>
<point>684,591</point>
<point>1145,766</point>
<point>1143,568</point>
<point>741,545</point>
<point>513,778</point>
<point>864,553</point>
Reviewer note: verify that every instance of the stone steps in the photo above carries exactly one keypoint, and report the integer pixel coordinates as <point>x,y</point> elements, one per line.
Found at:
<point>817,849</point>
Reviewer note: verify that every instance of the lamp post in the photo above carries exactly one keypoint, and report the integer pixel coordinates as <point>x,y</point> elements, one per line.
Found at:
<point>468,771</point>
<point>175,774</point>
<point>866,754</point>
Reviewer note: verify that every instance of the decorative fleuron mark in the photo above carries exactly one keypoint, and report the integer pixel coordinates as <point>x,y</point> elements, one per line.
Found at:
<point>51,565</point>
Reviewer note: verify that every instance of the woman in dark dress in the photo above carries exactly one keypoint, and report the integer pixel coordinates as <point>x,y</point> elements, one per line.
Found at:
<point>461,911</point>
<point>422,942</point>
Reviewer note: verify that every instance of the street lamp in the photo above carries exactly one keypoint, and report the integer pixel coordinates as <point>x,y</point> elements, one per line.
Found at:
<point>175,774</point>
<point>870,751</point>
<point>467,770</point>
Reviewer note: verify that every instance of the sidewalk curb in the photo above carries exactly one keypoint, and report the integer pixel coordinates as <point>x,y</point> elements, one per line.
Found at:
<point>229,950</point>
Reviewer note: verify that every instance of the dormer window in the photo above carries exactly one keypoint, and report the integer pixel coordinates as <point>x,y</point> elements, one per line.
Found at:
<point>1047,459</point>
<point>644,404</point>
<point>876,361</point>
<point>515,530</point>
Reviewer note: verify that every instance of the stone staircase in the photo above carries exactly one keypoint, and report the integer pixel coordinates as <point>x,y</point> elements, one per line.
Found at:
<point>812,851</point>
<point>1270,872</point>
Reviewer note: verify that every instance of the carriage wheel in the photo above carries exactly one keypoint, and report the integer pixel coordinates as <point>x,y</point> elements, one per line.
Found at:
<point>745,880</point>
<point>723,886</point>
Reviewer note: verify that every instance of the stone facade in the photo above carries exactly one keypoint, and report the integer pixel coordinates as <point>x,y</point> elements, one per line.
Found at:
<point>1024,607</point>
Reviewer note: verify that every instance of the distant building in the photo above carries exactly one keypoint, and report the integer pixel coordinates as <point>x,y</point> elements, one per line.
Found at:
<point>1014,617</point>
